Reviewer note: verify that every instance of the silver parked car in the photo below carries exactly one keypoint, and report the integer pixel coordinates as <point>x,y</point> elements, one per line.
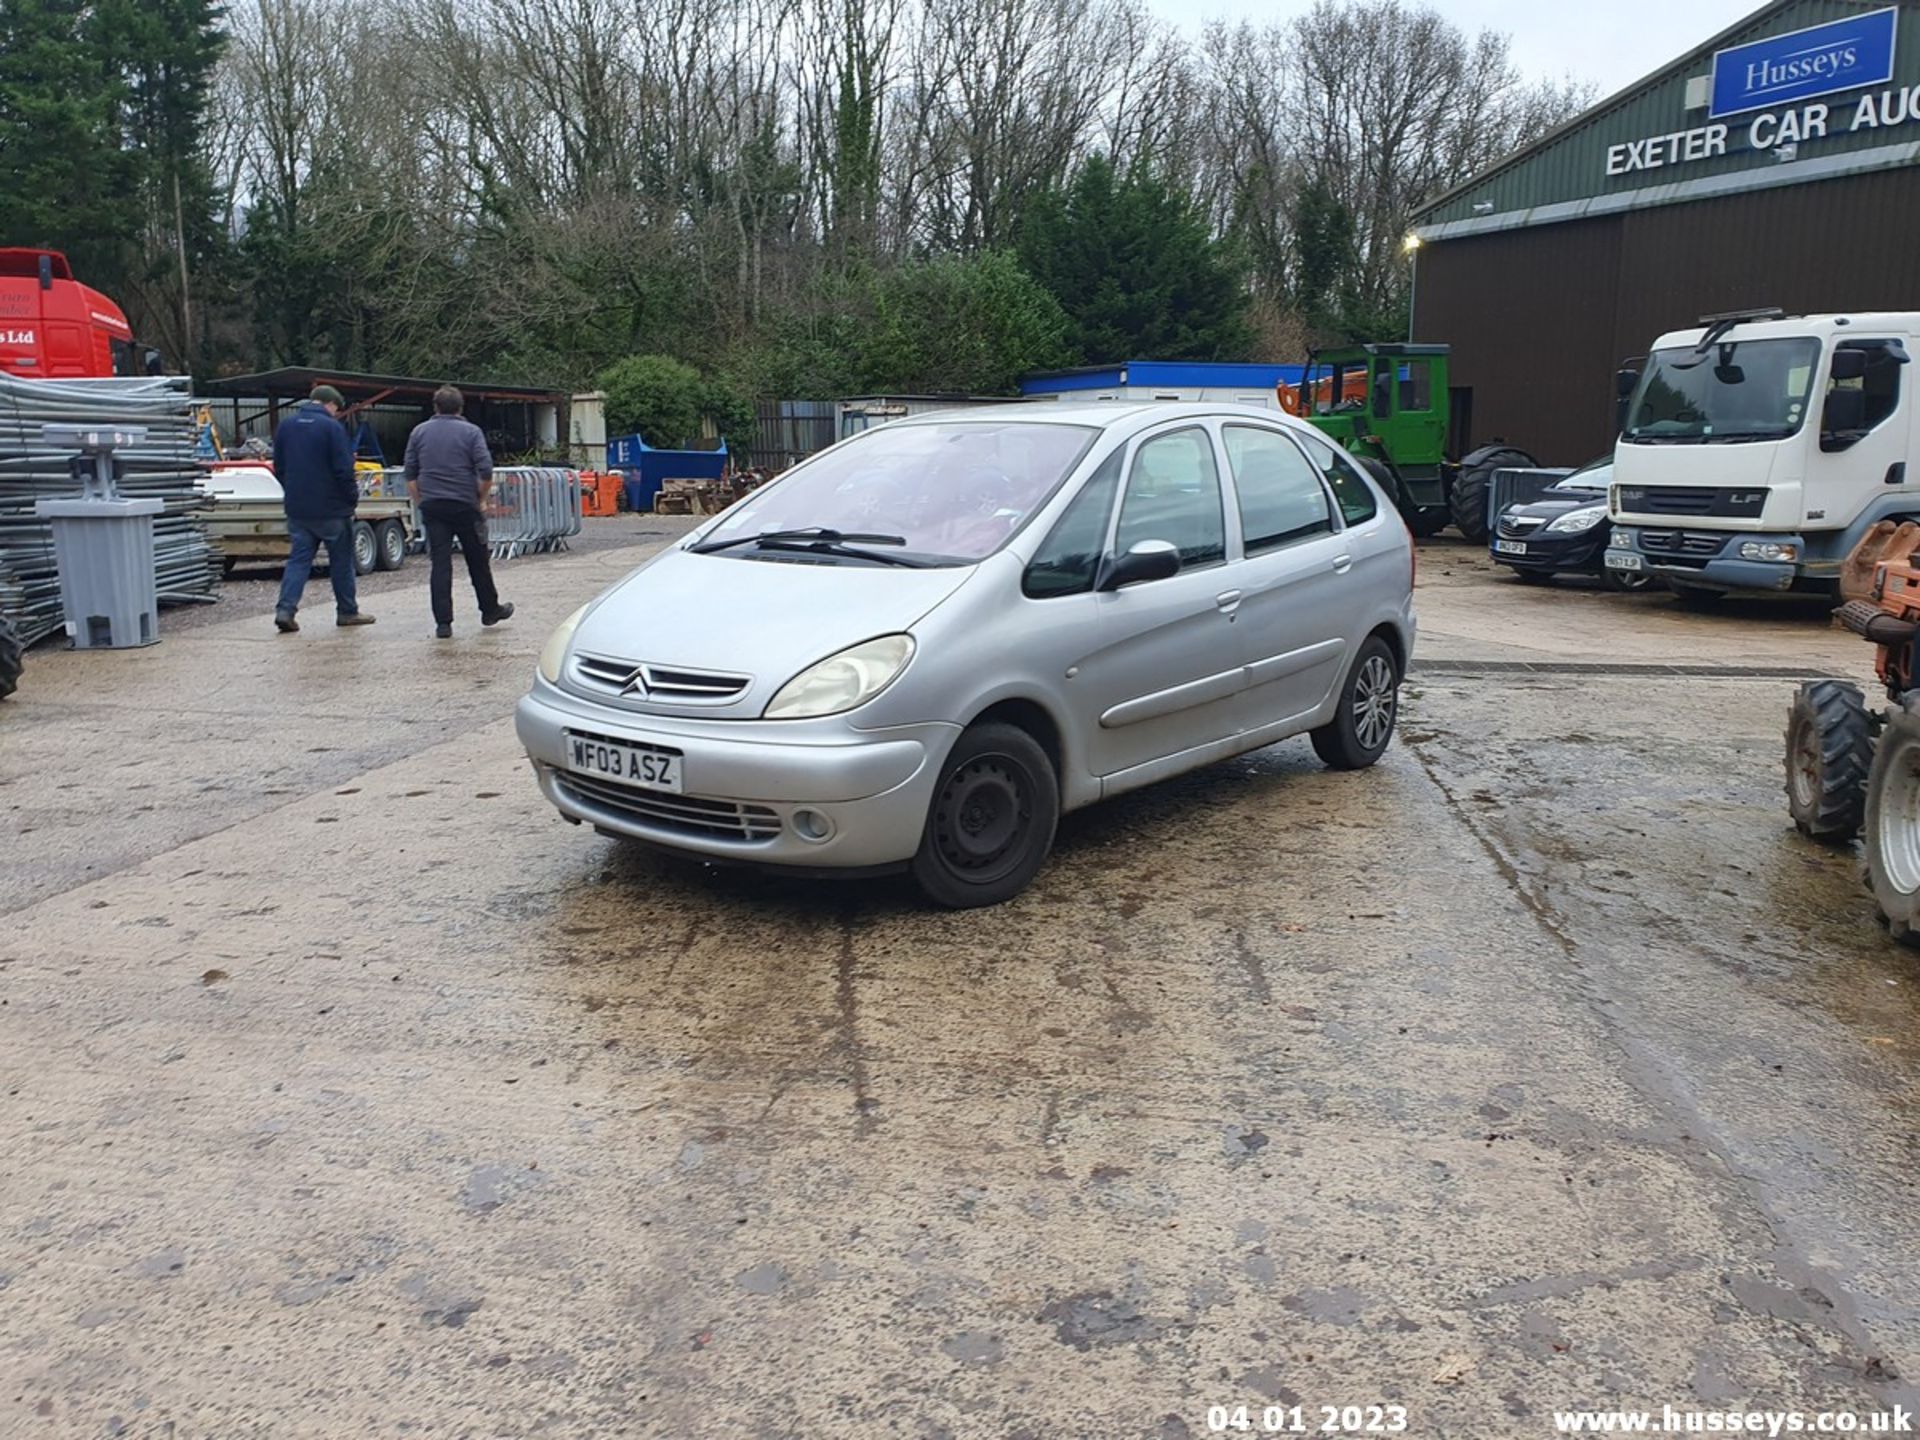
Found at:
<point>920,647</point>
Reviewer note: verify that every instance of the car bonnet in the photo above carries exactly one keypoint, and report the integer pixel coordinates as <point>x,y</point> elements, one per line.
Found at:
<point>719,635</point>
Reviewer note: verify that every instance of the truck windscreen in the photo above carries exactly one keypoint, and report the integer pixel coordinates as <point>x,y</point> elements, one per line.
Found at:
<point>1732,390</point>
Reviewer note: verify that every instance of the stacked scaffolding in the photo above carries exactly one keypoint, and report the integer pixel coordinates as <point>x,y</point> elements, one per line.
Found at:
<point>186,564</point>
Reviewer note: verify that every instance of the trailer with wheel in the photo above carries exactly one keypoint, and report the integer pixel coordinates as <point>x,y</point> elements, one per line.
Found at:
<point>245,515</point>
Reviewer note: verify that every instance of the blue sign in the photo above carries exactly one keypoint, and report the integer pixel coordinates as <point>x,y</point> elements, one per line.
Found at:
<point>1845,55</point>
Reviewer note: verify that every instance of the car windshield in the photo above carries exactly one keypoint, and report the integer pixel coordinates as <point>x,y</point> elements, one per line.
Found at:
<point>947,492</point>
<point>1593,475</point>
<point>1731,390</point>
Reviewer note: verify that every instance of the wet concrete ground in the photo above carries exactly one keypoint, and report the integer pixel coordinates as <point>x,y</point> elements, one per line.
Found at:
<point>346,1091</point>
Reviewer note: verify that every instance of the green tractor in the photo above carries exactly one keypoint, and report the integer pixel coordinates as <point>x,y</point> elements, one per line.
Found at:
<point>1390,406</point>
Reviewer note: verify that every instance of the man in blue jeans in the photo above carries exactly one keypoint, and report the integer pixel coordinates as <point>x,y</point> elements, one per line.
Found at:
<point>313,460</point>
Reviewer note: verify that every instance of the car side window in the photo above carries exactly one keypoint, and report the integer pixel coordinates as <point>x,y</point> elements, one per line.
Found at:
<point>1069,558</point>
<point>1350,490</point>
<point>1173,494</point>
<point>1281,498</point>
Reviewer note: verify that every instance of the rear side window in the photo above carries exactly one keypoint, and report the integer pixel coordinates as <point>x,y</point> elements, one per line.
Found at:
<point>1173,494</point>
<point>1069,558</point>
<point>1350,490</point>
<point>1281,498</point>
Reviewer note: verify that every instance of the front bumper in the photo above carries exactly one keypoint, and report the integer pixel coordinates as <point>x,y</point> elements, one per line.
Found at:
<point>1555,554</point>
<point>1710,559</point>
<point>746,780</point>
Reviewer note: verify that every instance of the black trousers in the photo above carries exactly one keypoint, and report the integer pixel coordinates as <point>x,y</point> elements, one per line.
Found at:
<point>446,520</point>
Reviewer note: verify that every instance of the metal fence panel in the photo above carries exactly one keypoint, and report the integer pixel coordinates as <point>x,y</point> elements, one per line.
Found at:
<point>1516,487</point>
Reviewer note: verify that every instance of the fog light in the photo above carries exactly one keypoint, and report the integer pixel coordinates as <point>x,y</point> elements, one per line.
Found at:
<point>812,825</point>
<point>1769,550</point>
<point>1621,539</point>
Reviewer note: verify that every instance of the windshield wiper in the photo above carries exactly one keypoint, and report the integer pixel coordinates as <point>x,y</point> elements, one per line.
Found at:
<point>811,532</point>
<point>814,545</point>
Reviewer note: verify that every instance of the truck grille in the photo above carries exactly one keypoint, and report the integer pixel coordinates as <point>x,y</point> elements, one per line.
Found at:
<point>684,814</point>
<point>1682,547</point>
<point>1692,500</point>
<point>635,680</point>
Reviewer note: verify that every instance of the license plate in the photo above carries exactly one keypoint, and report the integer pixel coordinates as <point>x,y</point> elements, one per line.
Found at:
<point>1622,560</point>
<point>629,764</point>
<point>1510,547</point>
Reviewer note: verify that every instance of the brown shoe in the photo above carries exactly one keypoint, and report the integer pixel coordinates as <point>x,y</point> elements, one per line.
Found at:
<point>359,617</point>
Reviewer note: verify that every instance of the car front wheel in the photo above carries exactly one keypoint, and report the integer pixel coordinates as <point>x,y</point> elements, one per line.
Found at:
<point>992,819</point>
<point>1362,728</point>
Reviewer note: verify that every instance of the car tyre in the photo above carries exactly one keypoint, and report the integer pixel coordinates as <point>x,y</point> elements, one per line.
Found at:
<point>1893,825</point>
<point>1362,727</point>
<point>366,550</point>
<point>13,659</point>
<point>990,824</point>
<point>391,538</point>
<point>1829,752</point>
<point>1533,577</point>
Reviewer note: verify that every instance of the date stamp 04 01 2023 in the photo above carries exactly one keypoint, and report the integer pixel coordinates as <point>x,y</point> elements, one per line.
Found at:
<point>1306,1419</point>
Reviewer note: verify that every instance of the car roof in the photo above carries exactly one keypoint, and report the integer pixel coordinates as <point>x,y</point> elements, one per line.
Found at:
<point>1124,416</point>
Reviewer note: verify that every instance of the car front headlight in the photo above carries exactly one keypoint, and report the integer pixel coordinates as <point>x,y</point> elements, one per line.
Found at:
<point>554,654</point>
<point>843,681</point>
<point>1575,521</point>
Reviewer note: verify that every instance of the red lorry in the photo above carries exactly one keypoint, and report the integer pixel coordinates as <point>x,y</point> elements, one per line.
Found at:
<point>53,327</point>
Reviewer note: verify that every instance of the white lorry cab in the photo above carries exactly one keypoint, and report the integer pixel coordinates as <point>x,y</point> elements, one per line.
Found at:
<point>1755,450</point>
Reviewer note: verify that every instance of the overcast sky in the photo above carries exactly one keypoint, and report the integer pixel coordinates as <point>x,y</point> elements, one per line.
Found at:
<point>1612,42</point>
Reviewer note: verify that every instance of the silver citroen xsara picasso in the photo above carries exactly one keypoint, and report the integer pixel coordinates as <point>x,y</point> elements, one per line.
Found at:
<point>923,645</point>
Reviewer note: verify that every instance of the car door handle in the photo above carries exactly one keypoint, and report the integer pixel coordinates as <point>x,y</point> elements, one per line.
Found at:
<point>1342,564</point>
<point>1228,600</point>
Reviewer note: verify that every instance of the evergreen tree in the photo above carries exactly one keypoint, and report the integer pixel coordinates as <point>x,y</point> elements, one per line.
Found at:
<point>1133,264</point>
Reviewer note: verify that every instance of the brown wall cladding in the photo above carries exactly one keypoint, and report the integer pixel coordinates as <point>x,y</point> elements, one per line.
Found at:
<point>1540,318</point>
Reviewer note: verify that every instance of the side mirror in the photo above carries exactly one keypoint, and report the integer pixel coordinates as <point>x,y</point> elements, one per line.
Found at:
<point>1849,364</point>
<point>1625,382</point>
<point>1148,560</point>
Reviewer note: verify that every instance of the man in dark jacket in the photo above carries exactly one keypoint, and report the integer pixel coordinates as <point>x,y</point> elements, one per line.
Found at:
<point>449,472</point>
<point>314,463</point>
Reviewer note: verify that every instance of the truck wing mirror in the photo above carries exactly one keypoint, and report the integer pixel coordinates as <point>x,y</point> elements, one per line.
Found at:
<point>1624,383</point>
<point>1849,364</point>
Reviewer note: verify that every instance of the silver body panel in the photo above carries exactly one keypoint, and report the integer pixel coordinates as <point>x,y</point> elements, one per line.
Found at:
<point>1140,683</point>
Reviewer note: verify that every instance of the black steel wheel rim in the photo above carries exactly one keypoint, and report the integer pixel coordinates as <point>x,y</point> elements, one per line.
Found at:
<point>983,817</point>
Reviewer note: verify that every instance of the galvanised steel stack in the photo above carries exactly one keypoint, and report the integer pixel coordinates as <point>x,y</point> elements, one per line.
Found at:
<point>187,566</point>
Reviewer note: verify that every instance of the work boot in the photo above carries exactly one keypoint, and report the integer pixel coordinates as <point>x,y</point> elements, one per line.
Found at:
<point>359,617</point>
<point>505,612</point>
<point>284,622</point>
<point>443,632</point>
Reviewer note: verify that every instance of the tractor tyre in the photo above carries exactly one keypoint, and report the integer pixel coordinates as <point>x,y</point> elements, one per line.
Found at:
<point>1829,752</point>
<point>1467,497</point>
<point>1424,523</point>
<point>1893,824</point>
<point>13,657</point>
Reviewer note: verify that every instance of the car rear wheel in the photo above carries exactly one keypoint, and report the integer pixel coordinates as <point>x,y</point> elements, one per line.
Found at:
<point>1362,728</point>
<point>991,821</point>
<point>392,541</point>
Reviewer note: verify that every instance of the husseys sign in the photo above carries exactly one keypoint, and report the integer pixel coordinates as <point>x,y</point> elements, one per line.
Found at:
<point>1756,89</point>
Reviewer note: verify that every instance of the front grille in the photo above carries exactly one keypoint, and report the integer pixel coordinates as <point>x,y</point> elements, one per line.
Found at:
<point>635,680</point>
<point>1719,500</point>
<point>1516,527</point>
<point>1682,547</point>
<point>685,814</point>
